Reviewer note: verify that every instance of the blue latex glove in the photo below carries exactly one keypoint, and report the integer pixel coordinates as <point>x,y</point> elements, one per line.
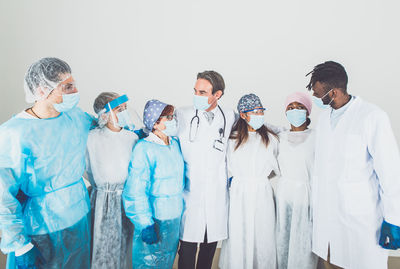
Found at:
<point>29,260</point>
<point>149,235</point>
<point>230,181</point>
<point>390,236</point>
<point>140,133</point>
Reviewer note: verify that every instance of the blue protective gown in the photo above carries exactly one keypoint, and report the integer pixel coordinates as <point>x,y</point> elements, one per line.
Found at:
<point>153,194</point>
<point>43,197</point>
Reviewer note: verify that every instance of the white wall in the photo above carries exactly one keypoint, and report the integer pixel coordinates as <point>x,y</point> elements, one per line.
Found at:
<point>153,49</point>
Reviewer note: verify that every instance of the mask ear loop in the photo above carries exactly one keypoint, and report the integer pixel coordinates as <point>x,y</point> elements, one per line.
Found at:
<point>328,95</point>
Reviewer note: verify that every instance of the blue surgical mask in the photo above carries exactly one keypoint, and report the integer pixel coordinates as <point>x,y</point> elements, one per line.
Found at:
<point>296,117</point>
<point>319,103</point>
<point>256,121</point>
<point>69,102</point>
<point>171,128</point>
<point>124,121</point>
<point>200,102</point>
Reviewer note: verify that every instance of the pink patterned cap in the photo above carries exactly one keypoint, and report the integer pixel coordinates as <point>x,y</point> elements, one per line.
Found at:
<point>300,97</point>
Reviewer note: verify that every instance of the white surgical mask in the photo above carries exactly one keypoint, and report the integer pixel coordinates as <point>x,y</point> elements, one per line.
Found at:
<point>124,121</point>
<point>69,102</point>
<point>200,102</point>
<point>256,121</point>
<point>171,128</point>
<point>318,101</point>
<point>296,117</point>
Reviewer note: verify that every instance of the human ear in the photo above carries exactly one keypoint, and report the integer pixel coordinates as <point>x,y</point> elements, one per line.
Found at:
<point>218,94</point>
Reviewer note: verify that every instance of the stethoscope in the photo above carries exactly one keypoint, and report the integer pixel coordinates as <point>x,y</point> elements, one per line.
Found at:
<point>196,118</point>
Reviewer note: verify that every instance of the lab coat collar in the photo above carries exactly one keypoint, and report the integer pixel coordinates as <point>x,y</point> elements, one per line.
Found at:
<point>343,108</point>
<point>215,110</point>
<point>344,111</point>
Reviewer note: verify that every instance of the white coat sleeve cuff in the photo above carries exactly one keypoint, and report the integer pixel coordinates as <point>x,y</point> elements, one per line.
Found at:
<point>24,249</point>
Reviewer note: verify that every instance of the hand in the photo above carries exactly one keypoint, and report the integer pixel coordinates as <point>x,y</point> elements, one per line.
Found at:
<point>29,260</point>
<point>390,236</point>
<point>149,235</point>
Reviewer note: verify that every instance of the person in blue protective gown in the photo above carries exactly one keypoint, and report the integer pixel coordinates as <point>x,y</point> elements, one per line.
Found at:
<point>44,203</point>
<point>152,196</point>
<point>109,150</point>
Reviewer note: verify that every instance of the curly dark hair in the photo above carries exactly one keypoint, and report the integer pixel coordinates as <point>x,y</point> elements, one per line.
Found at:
<point>331,74</point>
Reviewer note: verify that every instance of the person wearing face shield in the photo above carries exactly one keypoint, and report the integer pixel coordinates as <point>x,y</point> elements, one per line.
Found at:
<point>356,182</point>
<point>293,191</point>
<point>252,162</point>
<point>44,202</point>
<point>108,153</point>
<point>153,193</point>
<point>204,130</point>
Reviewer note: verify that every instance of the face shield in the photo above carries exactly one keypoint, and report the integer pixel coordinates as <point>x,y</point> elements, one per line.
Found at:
<point>121,113</point>
<point>70,95</point>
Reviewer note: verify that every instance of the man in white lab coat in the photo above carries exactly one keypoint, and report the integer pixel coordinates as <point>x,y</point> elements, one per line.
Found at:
<point>356,185</point>
<point>204,130</point>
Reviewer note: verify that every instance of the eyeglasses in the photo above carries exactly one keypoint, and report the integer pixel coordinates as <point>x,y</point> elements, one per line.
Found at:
<point>168,117</point>
<point>68,87</point>
<point>256,111</point>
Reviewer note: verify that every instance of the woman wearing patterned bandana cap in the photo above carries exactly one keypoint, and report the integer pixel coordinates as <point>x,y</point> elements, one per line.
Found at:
<point>252,162</point>
<point>152,196</point>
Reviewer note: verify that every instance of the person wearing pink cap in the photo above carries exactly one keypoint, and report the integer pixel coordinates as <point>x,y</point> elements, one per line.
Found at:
<point>293,191</point>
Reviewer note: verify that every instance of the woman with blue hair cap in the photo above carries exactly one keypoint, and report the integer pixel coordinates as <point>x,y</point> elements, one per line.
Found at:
<point>152,196</point>
<point>44,203</point>
<point>252,162</point>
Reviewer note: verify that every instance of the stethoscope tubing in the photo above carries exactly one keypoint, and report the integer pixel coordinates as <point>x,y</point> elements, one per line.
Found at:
<point>196,116</point>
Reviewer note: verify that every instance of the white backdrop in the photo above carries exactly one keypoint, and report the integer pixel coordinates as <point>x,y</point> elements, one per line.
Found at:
<point>154,49</point>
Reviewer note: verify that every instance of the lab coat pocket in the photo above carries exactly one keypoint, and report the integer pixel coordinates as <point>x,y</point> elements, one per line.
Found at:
<point>357,197</point>
<point>355,149</point>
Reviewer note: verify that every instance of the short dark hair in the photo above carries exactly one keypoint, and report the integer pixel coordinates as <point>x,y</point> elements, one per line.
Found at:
<point>330,73</point>
<point>216,80</point>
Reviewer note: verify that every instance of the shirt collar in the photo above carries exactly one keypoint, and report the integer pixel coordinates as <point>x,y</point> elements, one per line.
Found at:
<point>155,139</point>
<point>343,108</point>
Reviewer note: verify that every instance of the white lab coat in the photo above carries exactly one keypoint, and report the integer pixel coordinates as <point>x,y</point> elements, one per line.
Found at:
<point>356,185</point>
<point>205,194</point>
<point>293,200</point>
<point>251,242</point>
